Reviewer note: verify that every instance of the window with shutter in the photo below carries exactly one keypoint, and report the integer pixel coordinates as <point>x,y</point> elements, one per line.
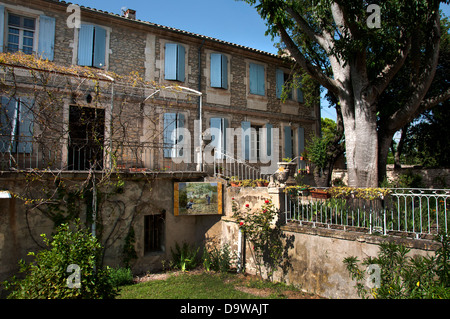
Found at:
<point>174,62</point>
<point>246,139</point>
<point>92,46</point>
<point>282,81</point>
<point>16,131</point>
<point>219,71</point>
<point>257,79</point>
<point>20,33</point>
<point>173,138</point>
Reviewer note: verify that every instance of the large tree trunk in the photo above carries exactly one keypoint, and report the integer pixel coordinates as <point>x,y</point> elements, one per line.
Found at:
<point>361,144</point>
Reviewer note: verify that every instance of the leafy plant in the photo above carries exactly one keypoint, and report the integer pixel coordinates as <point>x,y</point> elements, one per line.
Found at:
<point>218,259</point>
<point>185,257</point>
<point>120,276</point>
<point>47,277</point>
<point>402,276</point>
<point>264,234</point>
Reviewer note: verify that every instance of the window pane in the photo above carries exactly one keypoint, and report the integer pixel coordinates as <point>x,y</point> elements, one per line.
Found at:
<point>28,23</point>
<point>13,20</point>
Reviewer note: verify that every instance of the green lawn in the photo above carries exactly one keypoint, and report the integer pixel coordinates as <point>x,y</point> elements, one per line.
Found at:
<point>209,286</point>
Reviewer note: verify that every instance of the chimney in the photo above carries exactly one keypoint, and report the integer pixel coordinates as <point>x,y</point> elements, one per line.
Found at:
<point>130,14</point>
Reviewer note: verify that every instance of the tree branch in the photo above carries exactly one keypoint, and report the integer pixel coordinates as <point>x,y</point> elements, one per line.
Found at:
<point>312,70</point>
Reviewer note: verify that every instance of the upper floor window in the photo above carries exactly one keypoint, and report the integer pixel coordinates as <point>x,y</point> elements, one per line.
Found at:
<point>92,46</point>
<point>174,62</point>
<point>173,134</point>
<point>16,125</point>
<point>21,32</point>
<point>219,71</point>
<point>257,79</point>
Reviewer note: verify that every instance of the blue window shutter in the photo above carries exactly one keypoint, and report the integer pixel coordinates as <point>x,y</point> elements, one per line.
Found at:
<point>246,131</point>
<point>170,122</point>
<point>224,71</point>
<point>253,71</point>
<point>170,62</point>
<point>46,44</point>
<point>179,137</point>
<point>280,82</point>
<point>287,142</point>
<point>261,80</point>
<point>216,70</point>
<point>2,26</point>
<point>25,126</point>
<point>269,139</point>
<point>180,62</point>
<point>99,47</point>
<point>85,45</point>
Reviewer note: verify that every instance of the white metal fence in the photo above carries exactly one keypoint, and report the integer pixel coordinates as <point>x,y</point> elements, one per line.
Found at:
<point>411,212</point>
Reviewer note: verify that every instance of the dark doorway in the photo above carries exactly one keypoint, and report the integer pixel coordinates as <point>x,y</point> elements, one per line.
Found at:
<point>86,138</point>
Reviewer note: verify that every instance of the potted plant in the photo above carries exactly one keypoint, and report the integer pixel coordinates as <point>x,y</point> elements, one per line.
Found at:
<point>286,172</point>
<point>261,182</point>
<point>234,181</point>
<point>320,194</point>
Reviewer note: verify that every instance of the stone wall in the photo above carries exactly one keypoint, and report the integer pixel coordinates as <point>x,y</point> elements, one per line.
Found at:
<point>316,255</point>
<point>22,222</point>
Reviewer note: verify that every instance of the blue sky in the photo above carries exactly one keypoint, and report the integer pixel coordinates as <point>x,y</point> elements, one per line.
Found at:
<point>228,20</point>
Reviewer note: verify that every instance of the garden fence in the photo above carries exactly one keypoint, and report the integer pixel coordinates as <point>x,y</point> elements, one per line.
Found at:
<point>411,212</point>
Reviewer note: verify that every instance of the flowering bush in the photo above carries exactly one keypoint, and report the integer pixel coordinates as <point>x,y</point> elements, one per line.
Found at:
<point>263,233</point>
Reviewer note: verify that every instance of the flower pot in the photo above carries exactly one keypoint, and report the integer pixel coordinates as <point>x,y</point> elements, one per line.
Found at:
<point>235,184</point>
<point>320,194</point>
<point>286,173</point>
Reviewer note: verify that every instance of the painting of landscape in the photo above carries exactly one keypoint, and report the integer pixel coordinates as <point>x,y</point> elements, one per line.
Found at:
<point>197,198</point>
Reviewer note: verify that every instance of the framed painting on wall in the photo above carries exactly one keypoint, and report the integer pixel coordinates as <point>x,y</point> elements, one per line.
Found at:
<point>197,198</point>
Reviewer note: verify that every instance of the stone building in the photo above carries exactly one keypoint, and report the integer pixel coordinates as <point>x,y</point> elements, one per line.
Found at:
<point>136,131</point>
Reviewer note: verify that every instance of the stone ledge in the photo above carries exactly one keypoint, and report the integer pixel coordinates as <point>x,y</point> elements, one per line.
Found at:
<point>423,244</point>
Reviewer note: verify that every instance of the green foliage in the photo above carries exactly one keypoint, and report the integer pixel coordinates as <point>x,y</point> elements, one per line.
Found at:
<point>263,232</point>
<point>218,259</point>
<point>403,276</point>
<point>317,151</point>
<point>46,277</point>
<point>120,276</point>
<point>185,257</point>
<point>128,251</point>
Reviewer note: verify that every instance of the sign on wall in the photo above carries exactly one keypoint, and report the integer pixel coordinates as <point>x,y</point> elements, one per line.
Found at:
<point>197,198</point>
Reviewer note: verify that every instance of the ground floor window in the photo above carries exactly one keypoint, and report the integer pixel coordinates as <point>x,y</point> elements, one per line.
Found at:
<point>154,233</point>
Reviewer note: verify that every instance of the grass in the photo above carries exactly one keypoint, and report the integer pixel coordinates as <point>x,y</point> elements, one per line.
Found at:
<point>209,285</point>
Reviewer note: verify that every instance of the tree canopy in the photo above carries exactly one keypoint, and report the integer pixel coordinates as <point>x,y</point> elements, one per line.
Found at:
<point>359,51</point>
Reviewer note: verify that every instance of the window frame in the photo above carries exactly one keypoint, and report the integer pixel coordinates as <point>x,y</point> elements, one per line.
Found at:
<point>22,29</point>
<point>105,59</point>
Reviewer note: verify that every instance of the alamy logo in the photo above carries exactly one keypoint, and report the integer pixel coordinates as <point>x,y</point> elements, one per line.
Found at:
<point>74,19</point>
<point>74,280</point>
<point>374,20</point>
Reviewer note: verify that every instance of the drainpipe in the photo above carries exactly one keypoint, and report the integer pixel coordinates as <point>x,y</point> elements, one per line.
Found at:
<point>200,111</point>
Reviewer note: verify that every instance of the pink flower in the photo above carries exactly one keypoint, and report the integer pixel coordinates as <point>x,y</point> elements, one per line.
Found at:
<point>232,198</point>
<point>241,223</point>
<point>247,205</point>
<point>267,201</point>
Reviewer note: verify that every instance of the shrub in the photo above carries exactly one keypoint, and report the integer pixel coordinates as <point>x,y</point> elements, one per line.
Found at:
<point>185,257</point>
<point>121,276</point>
<point>47,277</point>
<point>405,277</point>
<point>218,259</point>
